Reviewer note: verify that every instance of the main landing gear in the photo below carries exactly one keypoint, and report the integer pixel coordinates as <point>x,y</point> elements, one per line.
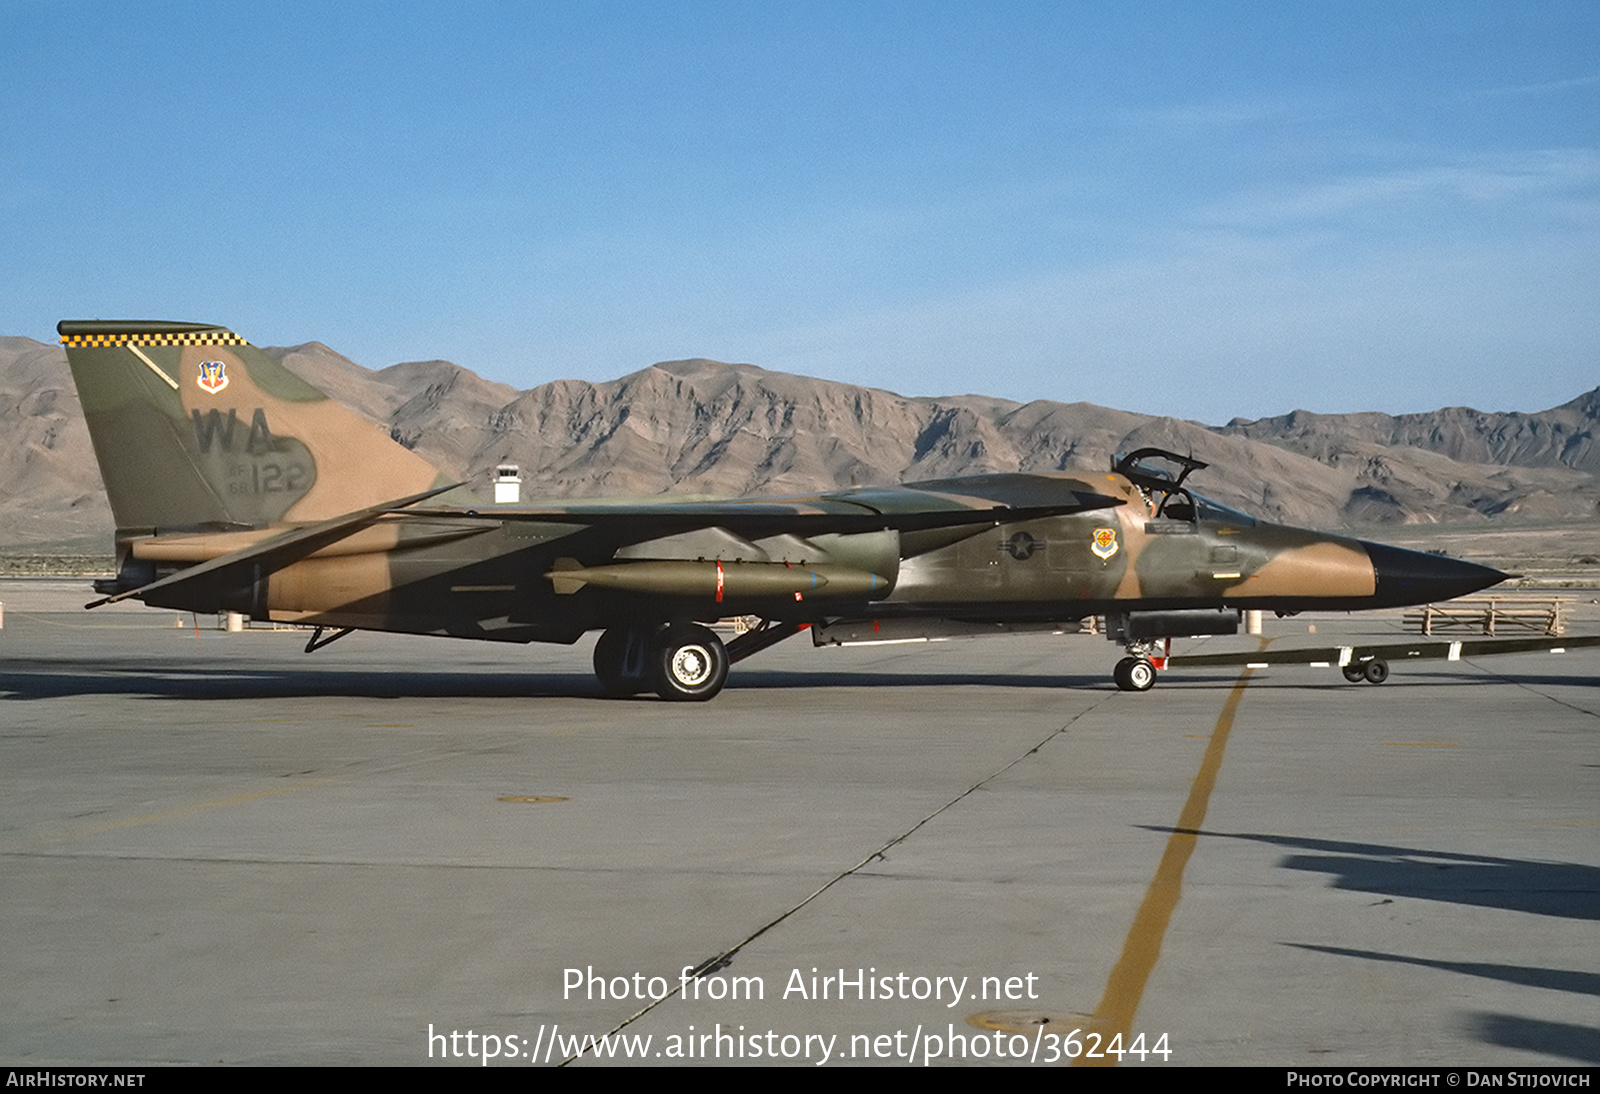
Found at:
<point>683,662</point>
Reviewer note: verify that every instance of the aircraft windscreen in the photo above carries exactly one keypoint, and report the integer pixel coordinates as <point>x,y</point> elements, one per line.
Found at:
<point>1151,471</point>
<point>1222,514</point>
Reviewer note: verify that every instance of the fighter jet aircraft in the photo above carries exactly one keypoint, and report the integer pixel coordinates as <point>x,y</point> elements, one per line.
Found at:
<point>236,486</point>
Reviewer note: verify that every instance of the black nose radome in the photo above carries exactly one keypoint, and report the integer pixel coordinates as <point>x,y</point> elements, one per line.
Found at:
<point>1411,577</point>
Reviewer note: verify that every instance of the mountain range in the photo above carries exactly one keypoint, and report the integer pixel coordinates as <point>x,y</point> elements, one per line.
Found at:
<point>705,427</point>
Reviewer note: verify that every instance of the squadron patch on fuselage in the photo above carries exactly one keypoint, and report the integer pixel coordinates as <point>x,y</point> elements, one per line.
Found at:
<point>212,376</point>
<point>1105,542</point>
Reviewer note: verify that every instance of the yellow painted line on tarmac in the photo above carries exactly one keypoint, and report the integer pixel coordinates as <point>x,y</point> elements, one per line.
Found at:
<point>1113,1018</point>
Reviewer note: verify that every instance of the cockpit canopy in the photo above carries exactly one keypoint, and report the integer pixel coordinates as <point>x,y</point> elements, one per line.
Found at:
<point>1163,485</point>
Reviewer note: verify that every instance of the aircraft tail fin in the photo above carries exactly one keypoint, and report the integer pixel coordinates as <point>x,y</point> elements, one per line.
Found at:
<point>196,429</point>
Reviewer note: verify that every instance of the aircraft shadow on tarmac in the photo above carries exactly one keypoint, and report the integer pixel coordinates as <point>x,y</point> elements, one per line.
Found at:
<point>1560,889</point>
<point>1565,890</point>
<point>1532,976</point>
<point>1562,1039</point>
<point>228,682</point>
<point>164,679</point>
<point>177,682</point>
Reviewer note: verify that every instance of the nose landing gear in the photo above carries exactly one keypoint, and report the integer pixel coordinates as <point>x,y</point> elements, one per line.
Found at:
<point>1137,671</point>
<point>1134,674</point>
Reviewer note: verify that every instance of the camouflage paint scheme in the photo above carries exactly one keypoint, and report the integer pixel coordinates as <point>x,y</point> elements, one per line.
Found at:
<point>237,486</point>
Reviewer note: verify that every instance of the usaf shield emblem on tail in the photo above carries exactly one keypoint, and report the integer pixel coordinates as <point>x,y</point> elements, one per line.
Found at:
<point>212,377</point>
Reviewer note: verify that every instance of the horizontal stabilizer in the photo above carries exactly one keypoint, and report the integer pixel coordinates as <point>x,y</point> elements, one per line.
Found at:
<point>281,550</point>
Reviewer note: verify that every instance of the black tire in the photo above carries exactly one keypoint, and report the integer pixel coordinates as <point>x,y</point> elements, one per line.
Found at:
<point>1375,671</point>
<point>1134,674</point>
<point>690,664</point>
<point>610,654</point>
<point>1355,671</point>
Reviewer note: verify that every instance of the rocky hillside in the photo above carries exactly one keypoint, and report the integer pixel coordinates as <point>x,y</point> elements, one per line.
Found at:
<point>706,427</point>
<point>1562,439</point>
<point>50,491</point>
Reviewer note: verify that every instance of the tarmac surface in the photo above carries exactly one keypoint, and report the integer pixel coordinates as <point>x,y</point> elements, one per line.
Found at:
<point>215,848</point>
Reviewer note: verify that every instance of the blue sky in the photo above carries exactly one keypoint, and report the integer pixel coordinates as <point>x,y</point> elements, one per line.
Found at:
<point>1203,210</point>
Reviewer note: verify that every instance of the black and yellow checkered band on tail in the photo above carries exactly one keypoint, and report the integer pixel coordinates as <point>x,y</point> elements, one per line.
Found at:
<point>198,338</point>
<point>143,332</point>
